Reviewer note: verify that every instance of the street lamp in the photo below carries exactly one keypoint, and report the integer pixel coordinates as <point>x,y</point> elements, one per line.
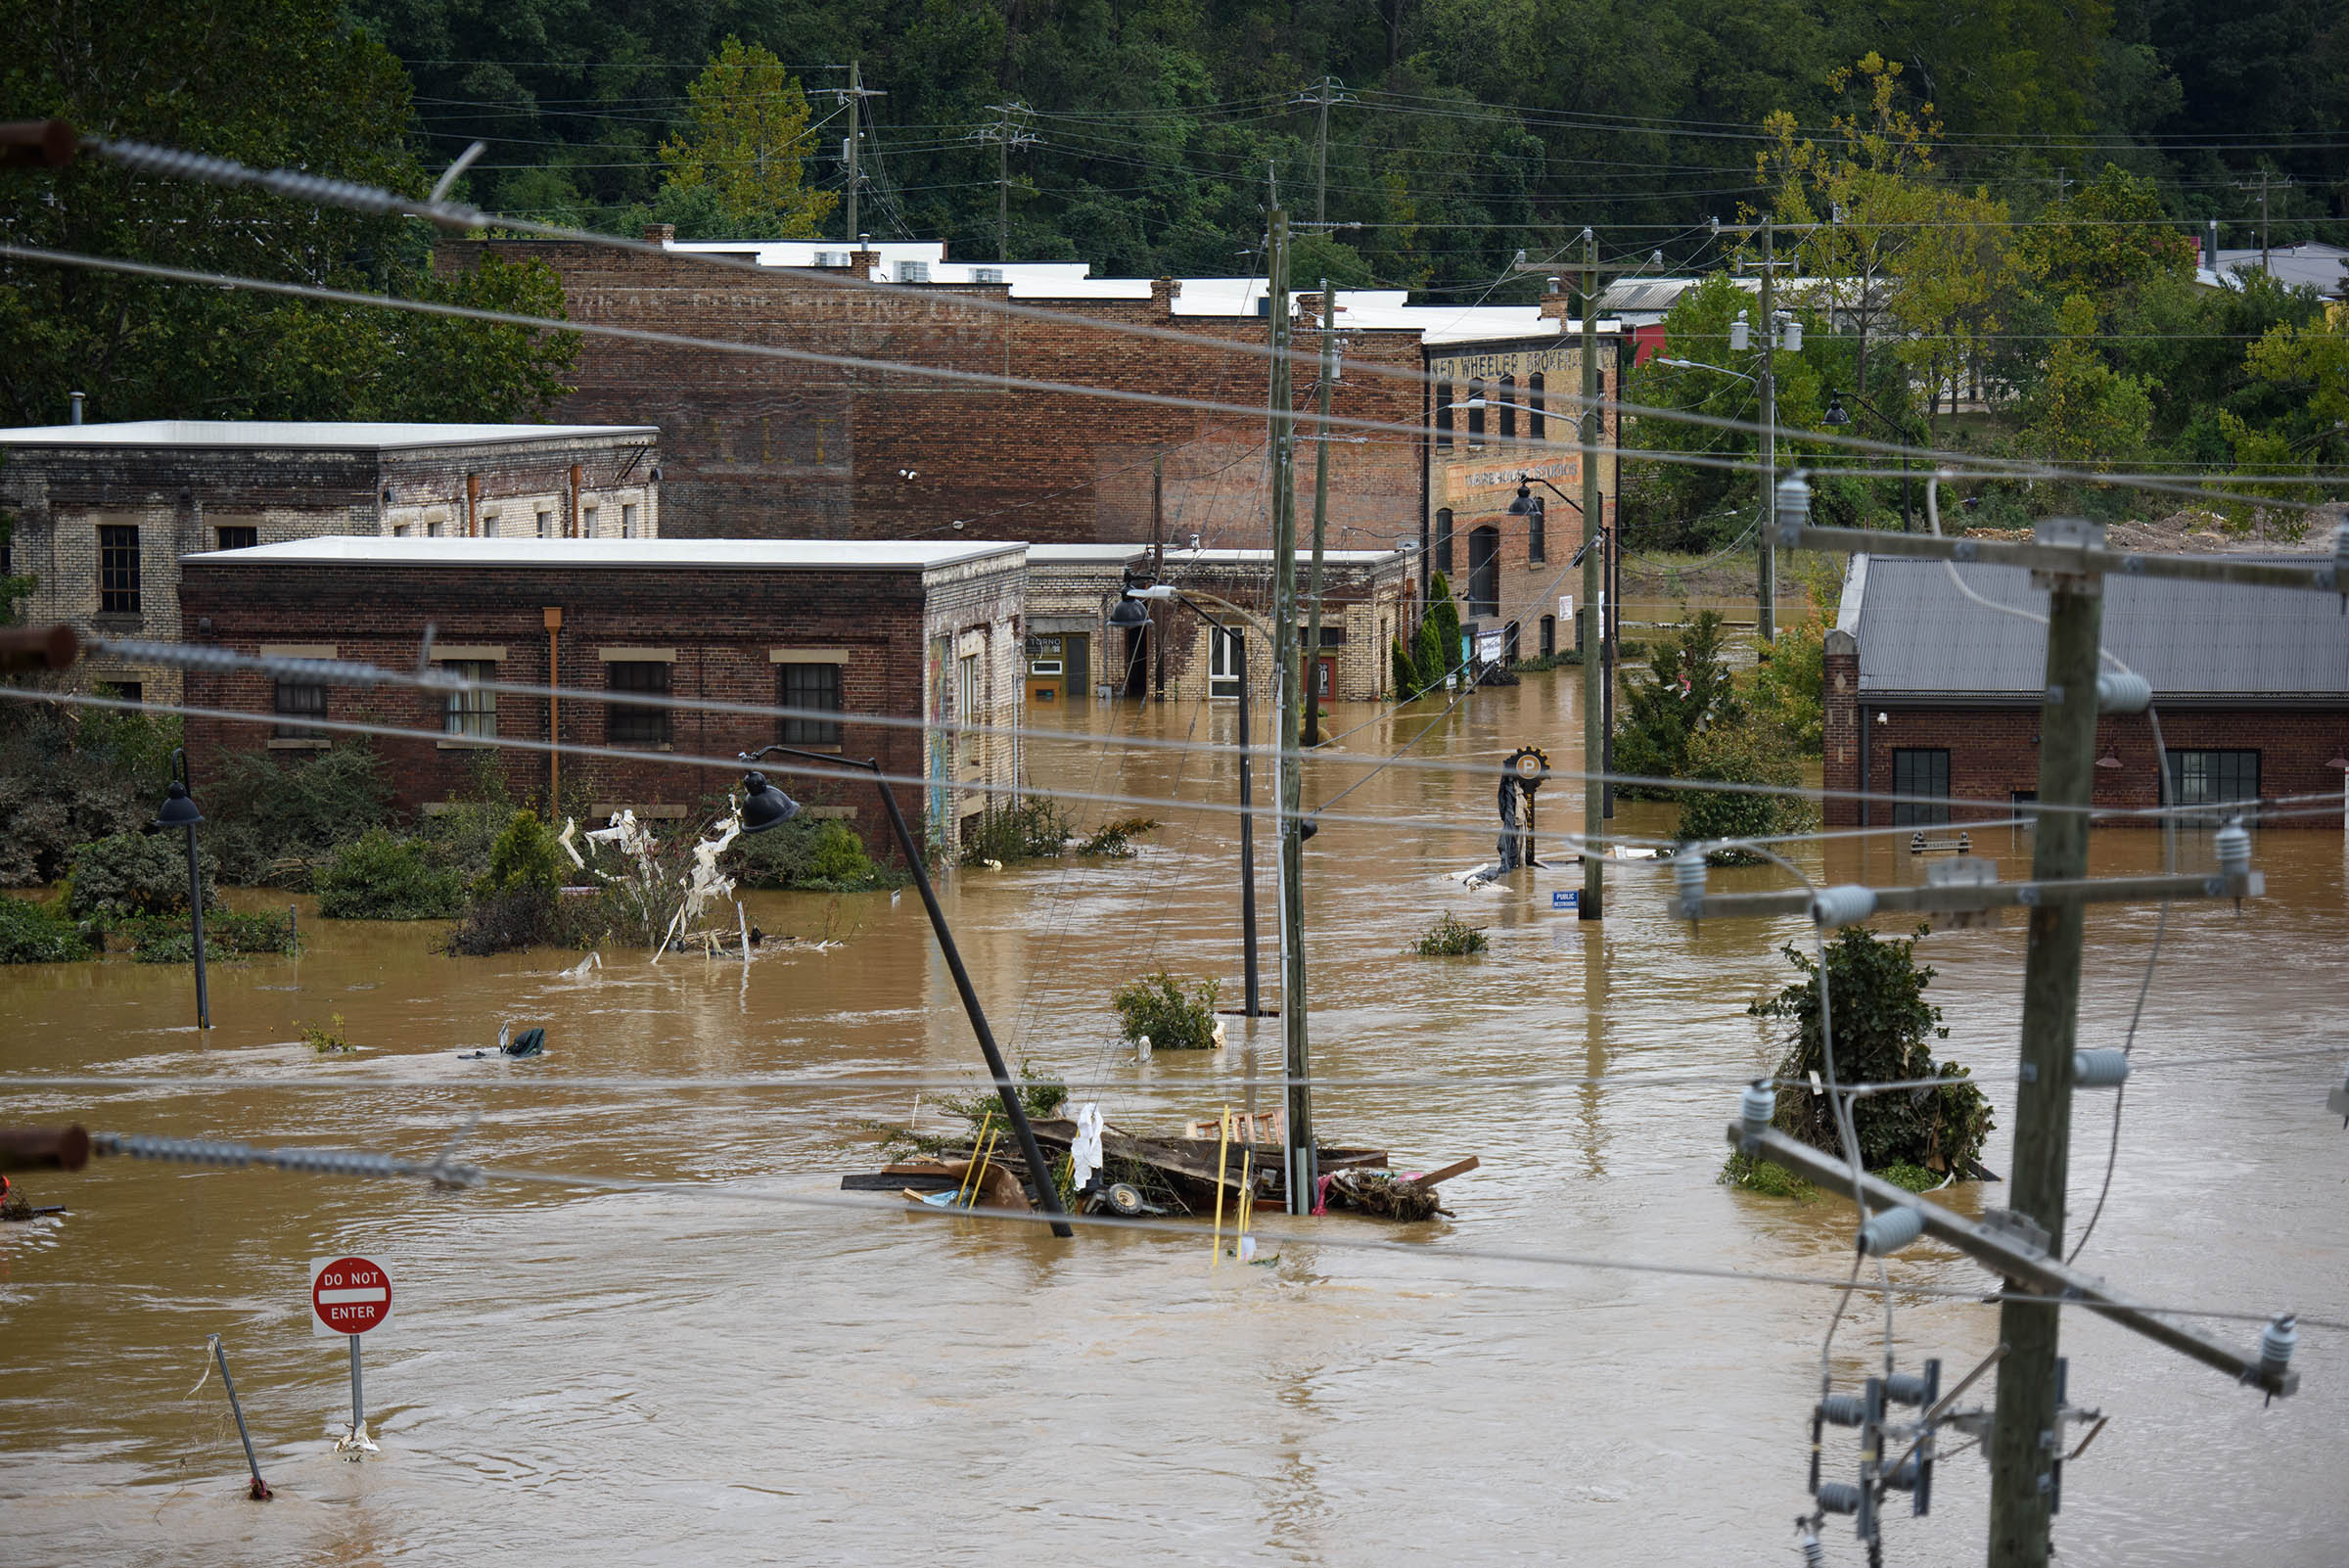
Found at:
<point>179,811</point>
<point>1837,416</point>
<point>765,806</point>
<point>1610,616</point>
<point>1766,585</point>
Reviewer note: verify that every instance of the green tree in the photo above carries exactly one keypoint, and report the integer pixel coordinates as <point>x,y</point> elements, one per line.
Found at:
<point>2083,410</point>
<point>1757,752</point>
<point>748,144</point>
<point>525,861</point>
<point>1688,689</point>
<point>1444,615</point>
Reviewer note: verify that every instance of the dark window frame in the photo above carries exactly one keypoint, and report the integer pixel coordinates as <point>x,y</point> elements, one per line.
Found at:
<point>1549,636</point>
<point>1443,532</point>
<point>627,724</point>
<point>470,712</point>
<point>246,535</point>
<point>295,700</point>
<point>1476,416</point>
<point>1920,771</point>
<point>1444,416</point>
<point>810,685</point>
<point>1508,402</point>
<point>118,569</point>
<point>1484,581</point>
<point>1537,418</point>
<point>1537,531</point>
<point>2217,776</point>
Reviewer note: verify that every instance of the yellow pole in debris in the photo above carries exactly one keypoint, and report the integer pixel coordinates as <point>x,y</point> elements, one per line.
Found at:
<point>1223,1154</point>
<point>971,1171</point>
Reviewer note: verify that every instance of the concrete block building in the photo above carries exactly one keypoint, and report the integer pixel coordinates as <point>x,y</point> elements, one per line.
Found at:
<point>929,632</point>
<point>103,513</point>
<point>1930,694</point>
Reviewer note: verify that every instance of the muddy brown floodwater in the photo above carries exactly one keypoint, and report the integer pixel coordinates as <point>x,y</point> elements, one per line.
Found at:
<point>684,1378</point>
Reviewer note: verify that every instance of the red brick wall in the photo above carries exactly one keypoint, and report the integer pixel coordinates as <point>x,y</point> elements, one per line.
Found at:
<point>771,448</point>
<point>721,623</point>
<point>1993,751</point>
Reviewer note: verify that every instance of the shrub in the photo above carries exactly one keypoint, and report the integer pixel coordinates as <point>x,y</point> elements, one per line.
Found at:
<point>1443,614</point>
<point>508,922</point>
<point>1752,752</point>
<point>462,837</point>
<point>1158,1006</point>
<point>1115,839</point>
<point>227,934</point>
<point>68,777</point>
<point>823,853</point>
<point>275,823</point>
<point>327,1039</point>
<point>1407,672</point>
<point>1687,691</point>
<point>1754,1175</point>
<point>133,874</point>
<point>1883,1026</point>
<point>1450,937</point>
<point>1428,658</point>
<point>525,860</point>
<point>33,933</point>
<point>382,877</point>
<point>1034,829</point>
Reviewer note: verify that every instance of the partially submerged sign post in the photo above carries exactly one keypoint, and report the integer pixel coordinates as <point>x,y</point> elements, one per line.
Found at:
<point>350,1297</point>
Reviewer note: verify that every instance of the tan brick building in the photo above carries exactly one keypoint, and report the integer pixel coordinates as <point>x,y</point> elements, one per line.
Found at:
<point>103,513</point>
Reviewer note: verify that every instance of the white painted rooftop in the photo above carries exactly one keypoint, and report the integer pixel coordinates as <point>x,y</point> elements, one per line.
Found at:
<point>306,434</point>
<point>1262,557</point>
<point>768,555</point>
<point>1082,554</point>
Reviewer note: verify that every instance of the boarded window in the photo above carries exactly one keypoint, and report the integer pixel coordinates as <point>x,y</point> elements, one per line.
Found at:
<point>1920,771</point>
<point>815,686</point>
<point>627,724</point>
<point>1508,407</point>
<point>1443,542</point>
<point>1476,416</point>
<point>1484,572</point>
<point>117,570</point>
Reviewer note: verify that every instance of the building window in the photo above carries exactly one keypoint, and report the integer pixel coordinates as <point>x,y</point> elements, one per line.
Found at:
<point>1537,531</point>
<point>472,711</point>
<point>546,525</point>
<point>489,525</point>
<point>809,686</point>
<point>1549,636</point>
<point>1443,542</point>
<point>1509,408</point>
<point>590,514</point>
<point>1476,416</point>
<point>298,700</point>
<point>1536,417</point>
<point>1484,571</point>
<point>431,531</point>
<point>1443,416</point>
<point>1226,660</point>
<point>237,535</point>
<point>1920,771</point>
<point>117,570</point>
<point>2211,778</point>
<point>128,691</point>
<point>966,701</point>
<point>624,722</point>
<point>628,520</point>
<point>400,530</point>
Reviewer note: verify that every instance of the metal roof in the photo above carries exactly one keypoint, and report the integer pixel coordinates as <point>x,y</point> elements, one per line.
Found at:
<point>771,555</point>
<point>329,436</point>
<point>1921,636</point>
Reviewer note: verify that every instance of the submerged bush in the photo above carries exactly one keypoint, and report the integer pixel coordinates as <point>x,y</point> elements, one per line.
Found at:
<point>134,874</point>
<point>1451,937</point>
<point>1752,752</point>
<point>1175,1020</point>
<point>172,939</point>
<point>823,853</point>
<point>379,876</point>
<point>526,858</point>
<point>32,933</point>
<point>70,775</point>
<point>509,922</point>
<point>1035,829</point>
<point>1114,840</point>
<point>275,823</point>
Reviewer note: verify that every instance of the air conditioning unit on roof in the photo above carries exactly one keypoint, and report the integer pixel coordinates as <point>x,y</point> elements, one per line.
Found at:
<point>914,272</point>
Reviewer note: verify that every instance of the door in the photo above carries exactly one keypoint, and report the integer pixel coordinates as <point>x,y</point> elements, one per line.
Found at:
<point>1077,657</point>
<point>1047,666</point>
<point>1226,662</point>
<point>1325,679</point>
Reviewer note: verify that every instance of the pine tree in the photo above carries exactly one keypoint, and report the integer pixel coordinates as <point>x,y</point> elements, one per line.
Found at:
<point>748,146</point>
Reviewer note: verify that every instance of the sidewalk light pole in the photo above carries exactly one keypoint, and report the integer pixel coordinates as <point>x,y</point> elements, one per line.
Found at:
<point>179,810</point>
<point>1838,416</point>
<point>1610,624</point>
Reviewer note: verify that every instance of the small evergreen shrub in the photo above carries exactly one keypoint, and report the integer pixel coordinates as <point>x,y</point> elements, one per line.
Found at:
<point>525,860</point>
<point>1033,829</point>
<point>821,854</point>
<point>1175,1020</point>
<point>227,934</point>
<point>35,933</point>
<point>378,876</point>
<point>1114,840</point>
<point>134,874</point>
<point>1451,937</point>
<point>1754,752</point>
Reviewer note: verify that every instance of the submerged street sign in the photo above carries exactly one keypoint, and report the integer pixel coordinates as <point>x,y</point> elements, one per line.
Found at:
<point>348,1296</point>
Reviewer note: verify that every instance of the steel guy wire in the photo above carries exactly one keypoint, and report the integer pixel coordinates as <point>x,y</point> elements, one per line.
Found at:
<point>359,1163</point>
<point>172,162</point>
<point>335,672</point>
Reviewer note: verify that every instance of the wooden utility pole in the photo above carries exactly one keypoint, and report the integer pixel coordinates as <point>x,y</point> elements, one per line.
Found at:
<point>1158,571</point>
<point>1766,561</point>
<point>1327,91</point>
<point>1007,132</point>
<point>1313,588</point>
<point>1593,905</point>
<point>2027,1437</point>
<point>2267,182</point>
<point>1286,729</point>
<point>852,96</point>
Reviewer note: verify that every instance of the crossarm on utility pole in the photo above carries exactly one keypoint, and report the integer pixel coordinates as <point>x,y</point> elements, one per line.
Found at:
<point>1961,896</point>
<point>2067,559</point>
<point>2013,1257</point>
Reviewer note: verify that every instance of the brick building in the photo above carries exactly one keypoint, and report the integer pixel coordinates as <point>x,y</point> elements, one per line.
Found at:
<point>927,631</point>
<point>1502,411</point>
<point>768,447</point>
<point>1366,598</point>
<point>105,512</point>
<point>1930,694</point>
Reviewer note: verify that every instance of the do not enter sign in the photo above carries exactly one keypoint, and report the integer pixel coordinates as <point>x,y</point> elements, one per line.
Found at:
<point>348,1296</point>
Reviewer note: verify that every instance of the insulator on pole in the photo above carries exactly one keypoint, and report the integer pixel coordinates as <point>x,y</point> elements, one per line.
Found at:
<point>2104,1069</point>
<point>1793,501</point>
<point>2277,1342</point>
<point>1888,1230</point>
<point>1843,906</point>
<point>1814,1555</point>
<point>1838,1496</point>
<point>1688,876</point>
<point>1842,1410</point>
<point>2233,845</point>
<point>1756,1106</point>
<point>2123,693</point>
<point>1907,1388</point>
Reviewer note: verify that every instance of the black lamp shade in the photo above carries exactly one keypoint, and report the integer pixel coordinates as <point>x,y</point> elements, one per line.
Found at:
<point>1836,413</point>
<point>1130,612</point>
<point>178,810</point>
<point>764,806</point>
<point>1527,502</point>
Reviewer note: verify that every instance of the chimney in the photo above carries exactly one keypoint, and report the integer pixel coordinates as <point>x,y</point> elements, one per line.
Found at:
<point>1163,293</point>
<point>659,233</point>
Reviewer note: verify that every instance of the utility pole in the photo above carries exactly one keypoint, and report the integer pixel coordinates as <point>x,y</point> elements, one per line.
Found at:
<point>1327,91</point>
<point>1007,132</point>
<point>1283,437</point>
<point>1313,629</point>
<point>2027,1437</point>
<point>1158,569</point>
<point>1593,905</point>
<point>1766,563</point>
<point>2266,182</point>
<point>853,95</point>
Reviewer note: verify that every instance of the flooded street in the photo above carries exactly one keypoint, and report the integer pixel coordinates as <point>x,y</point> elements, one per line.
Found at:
<point>676,1378</point>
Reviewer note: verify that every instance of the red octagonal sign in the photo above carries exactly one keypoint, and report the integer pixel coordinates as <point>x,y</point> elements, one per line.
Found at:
<point>350,1295</point>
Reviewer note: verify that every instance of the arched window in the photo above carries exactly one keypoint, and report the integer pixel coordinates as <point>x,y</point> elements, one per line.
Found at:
<point>1537,531</point>
<point>1476,416</point>
<point>1549,636</point>
<point>1537,419</point>
<point>1484,571</point>
<point>1443,416</point>
<point>1443,542</point>
<point>1509,408</point>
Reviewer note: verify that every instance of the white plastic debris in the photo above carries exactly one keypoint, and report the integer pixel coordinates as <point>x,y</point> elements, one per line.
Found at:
<point>1085,1152</point>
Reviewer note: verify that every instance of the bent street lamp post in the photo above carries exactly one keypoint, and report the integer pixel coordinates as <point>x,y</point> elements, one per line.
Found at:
<point>179,810</point>
<point>1599,673</point>
<point>765,806</point>
<point>1838,416</point>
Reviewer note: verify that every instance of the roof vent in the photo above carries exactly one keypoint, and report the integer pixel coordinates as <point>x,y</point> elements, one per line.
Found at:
<point>914,272</point>
<point>986,274</point>
<point>831,259</point>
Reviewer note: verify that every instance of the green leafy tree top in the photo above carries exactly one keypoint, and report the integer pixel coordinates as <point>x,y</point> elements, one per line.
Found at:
<point>1688,689</point>
<point>748,144</point>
